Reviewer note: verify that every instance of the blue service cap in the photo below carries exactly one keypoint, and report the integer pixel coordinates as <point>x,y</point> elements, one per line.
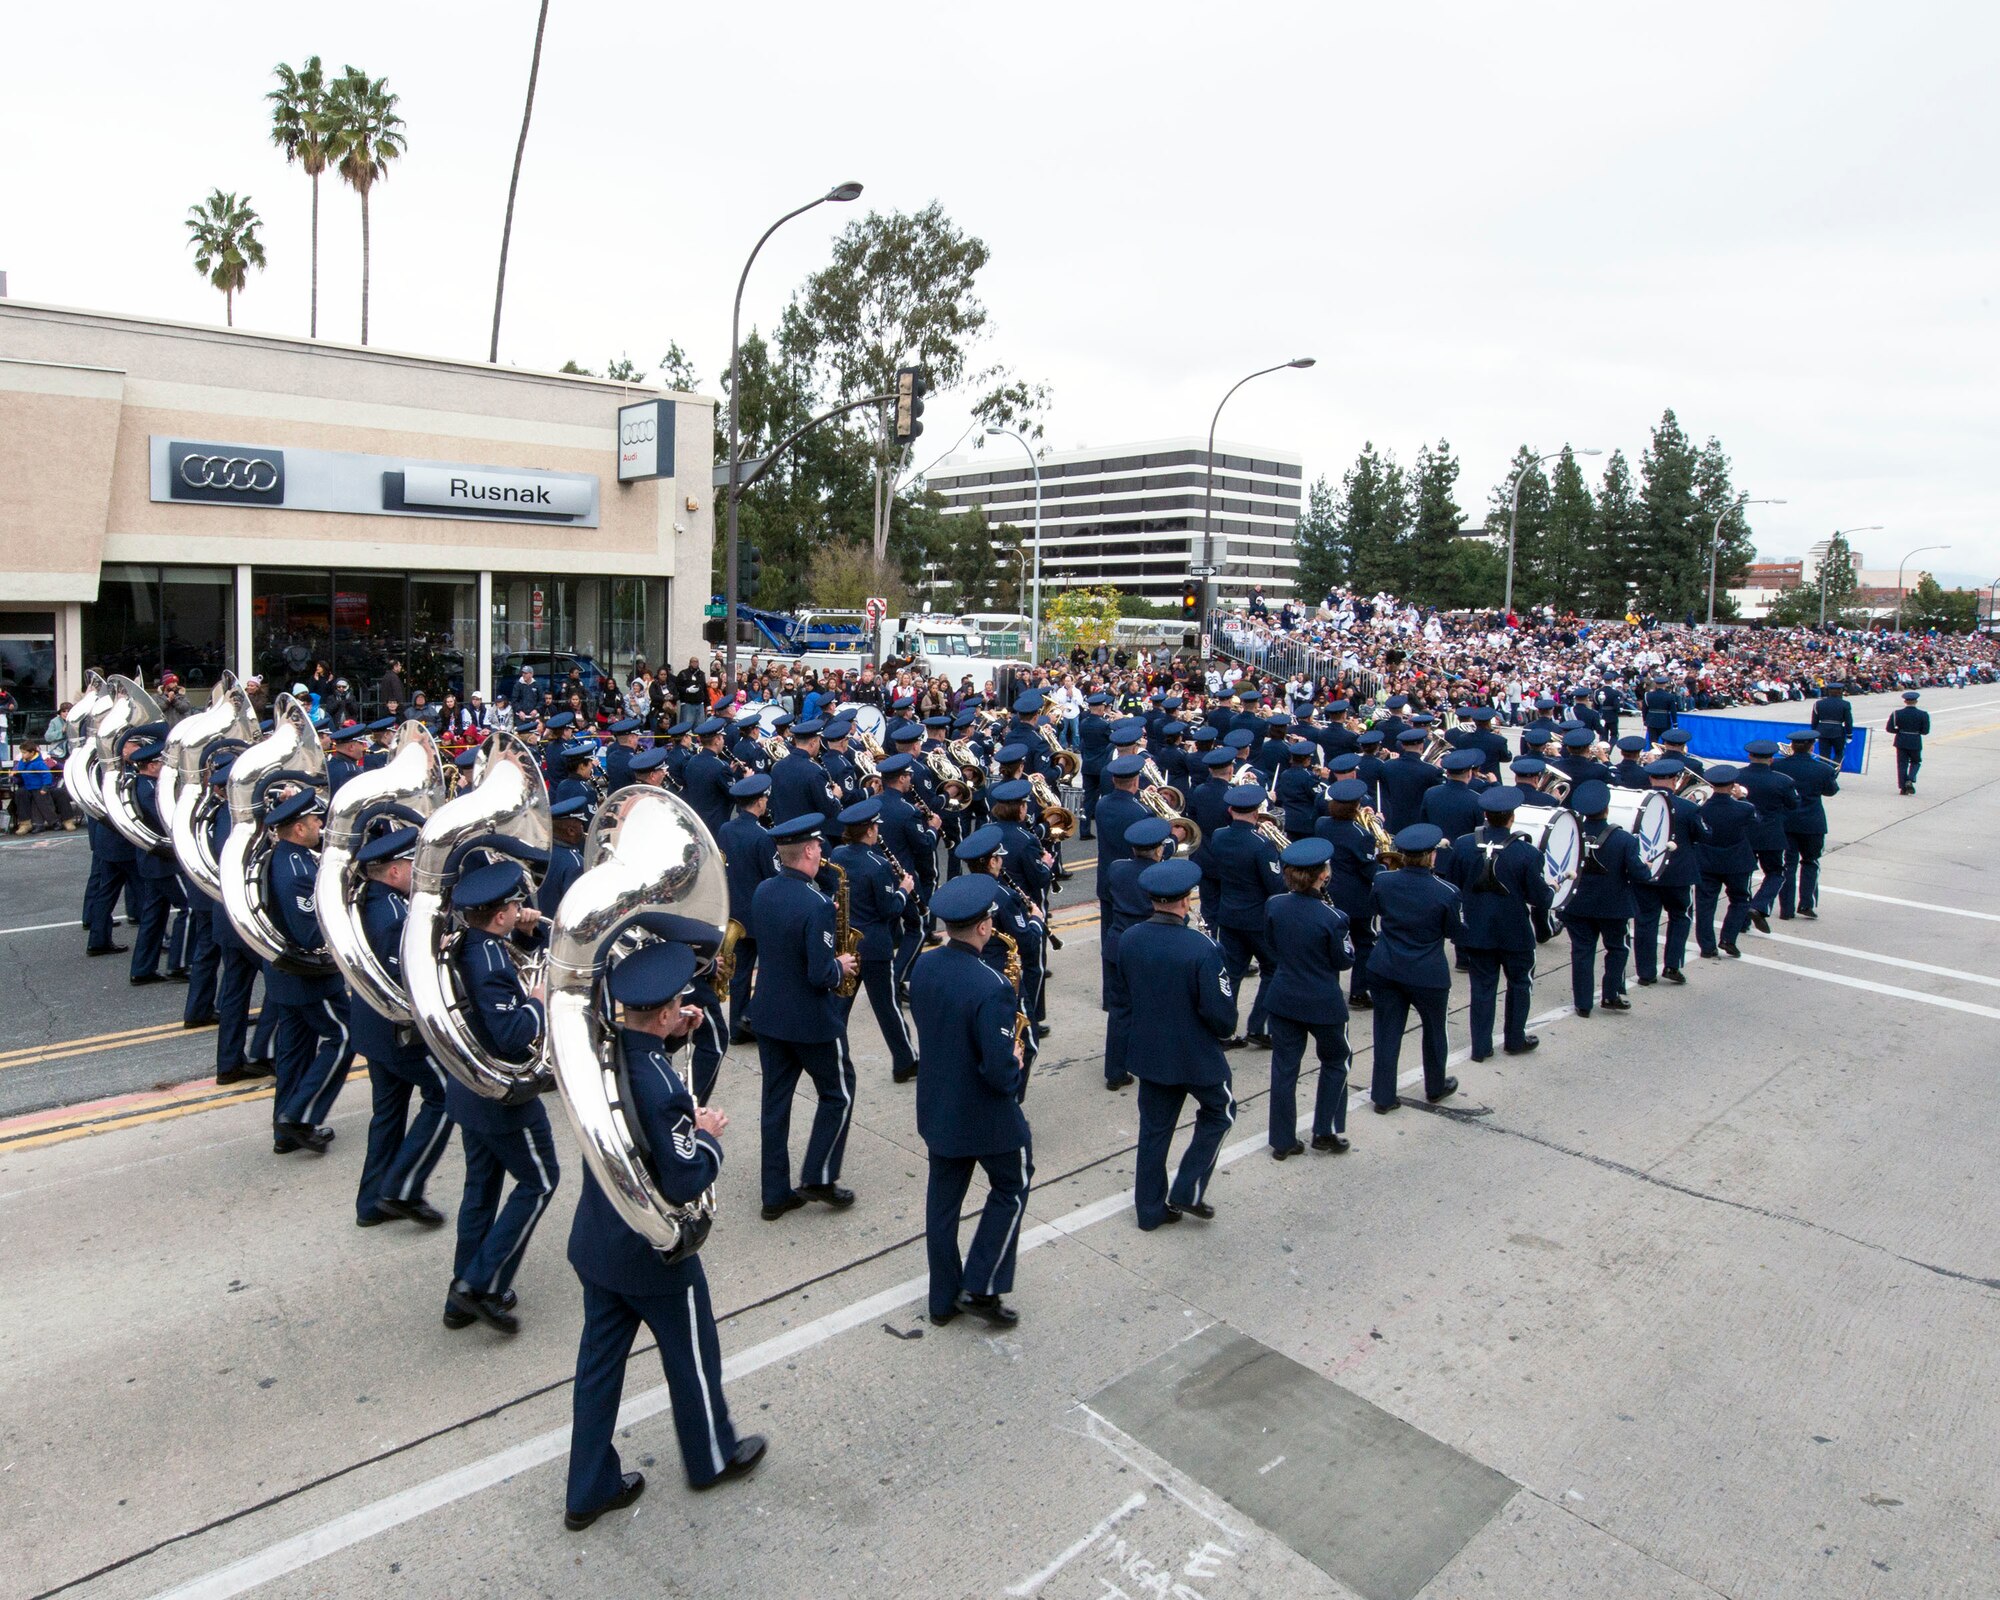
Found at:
<point>1371,738</point>
<point>1674,736</point>
<point>1348,762</point>
<point>1721,776</point>
<point>1398,701</point>
<point>266,725</point>
<point>1588,799</point>
<point>654,975</point>
<point>391,846</point>
<point>1012,789</point>
<point>1348,790</point>
<point>147,752</point>
<point>1501,797</point>
<point>1205,734</point>
<point>1302,749</point>
<point>1249,696</point>
<point>1422,719</point>
<point>626,725</point>
<point>1125,766</point>
<point>1173,729</point>
<point>889,766</point>
<point>1666,767</point>
<point>1239,738</point>
<point>1028,704</point>
<point>1481,713</point>
<point>811,728</point>
<point>751,787</point>
<point>1761,747</point>
<point>685,726</point>
<point>858,813</point>
<point>981,843</point>
<point>1545,702</point>
<point>562,719</point>
<point>1008,754</point>
<point>1173,702</point>
<point>706,728</point>
<point>1418,837</point>
<point>1100,698</point>
<point>965,899</point>
<point>1217,759</point>
<point>465,758</point>
<point>1911,694</point>
<point>489,885</point>
<point>1169,880</point>
<point>1461,760</point>
<point>938,721</point>
<point>348,732</point>
<point>749,716</point>
<point>1412,736</point>
<point>805,827</point>
<point>1528,766</point>
<point>577,805</point>
<point>1802,735</point>
<point>1307,853</point>
<point>1632,743</point>
<point>838,728</point>
<point>646,760</point>
<point>906,732</point>
<point>1338,708</point>
<point>379,725</point>
<point>902,702</point>
<point>1535,738</point>
<point>218,773</point>
<point>965,718</point>
<point>781,721</point>
<point>1579,739</point>
<point>147,730</point>
<point>582,750</point>
<point>1148,832</point>
<point>1244,797</point>
<point>1128,730</point>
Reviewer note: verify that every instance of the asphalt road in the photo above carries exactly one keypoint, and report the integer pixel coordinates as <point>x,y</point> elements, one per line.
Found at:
<point>1698,1301</point>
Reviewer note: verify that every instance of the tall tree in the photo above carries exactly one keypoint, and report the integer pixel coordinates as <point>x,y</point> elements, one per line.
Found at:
<point>1734,547</point>
<point>368,136</point>
<point>222,231</point>
<point>1534,578</point>
<point>1612,563</point>
<point>1322,563</point>
<point>1436,572</point>
<point>1672,558</point>
<point>1566,535</point>
<point>1373,516</point>
<point>1930,606</point>
<point>514,182</point>
<point>1827,597</point>
<point>302,127</point>
<point>677,371</point>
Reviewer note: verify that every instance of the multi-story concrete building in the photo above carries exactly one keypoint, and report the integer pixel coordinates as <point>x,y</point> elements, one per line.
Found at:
<point>1131,515</point>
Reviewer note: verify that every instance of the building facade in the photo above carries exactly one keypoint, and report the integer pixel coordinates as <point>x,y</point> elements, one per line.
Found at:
<point>181,498</point>
<point>1131,515</point>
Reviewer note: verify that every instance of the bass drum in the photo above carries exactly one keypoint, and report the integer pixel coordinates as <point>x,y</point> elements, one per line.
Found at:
<point>1554,832</point>
<point>868,720</point>
<point>1645,814</point>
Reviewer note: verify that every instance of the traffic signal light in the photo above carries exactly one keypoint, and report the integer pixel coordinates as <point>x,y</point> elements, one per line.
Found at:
<point>749,569</point>
<point>910,391</point>
<point>1190,599</point>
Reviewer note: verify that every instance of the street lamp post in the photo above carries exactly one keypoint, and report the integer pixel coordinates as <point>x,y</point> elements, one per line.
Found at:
<point>840,192</point>
<point>995,431</point>
<point>1715,542</point>
<point>1208,483</point>
<point>1920,549</point>
<point>1514,519</point>
<point>1838,533</point>
<point>1992,602</point>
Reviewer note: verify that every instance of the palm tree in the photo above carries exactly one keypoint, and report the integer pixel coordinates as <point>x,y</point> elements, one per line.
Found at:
<point>302,127</point>
<point>223,232</point>
<point>367,136</point>
<point>514,183</point>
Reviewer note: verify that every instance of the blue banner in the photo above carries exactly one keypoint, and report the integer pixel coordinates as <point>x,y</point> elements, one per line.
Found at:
<point>1716,738</point>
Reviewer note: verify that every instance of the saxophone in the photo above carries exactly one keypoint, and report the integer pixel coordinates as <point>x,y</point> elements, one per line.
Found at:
<point>846,942</point>
<point>1011,971</point>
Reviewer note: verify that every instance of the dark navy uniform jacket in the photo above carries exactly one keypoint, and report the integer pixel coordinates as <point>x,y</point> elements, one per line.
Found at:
<point>1629,774</point>
<point>338,770</point>
<point>1010,916</point>
<point>1024,731</point>
<point>1404,783</point>
<point>1492,746</point>
<point>146,801</point>
<point>1535,797</point>
<point>874,902</point>
<point>969,1093</point>
<point>907,839</point>
<point>1352,869</point>
<point>1454,807</point>
<point>1297,790</point>
<point>1127,907</point>
<point>1370,772</point>
<point>1725,847</point>
<point>1775,798</point>
<point>798,968</point>
<point>685,1161</point>
<point>1024,864</point>
<point>1117,811</point>
<point>571,789</point>
<point>1832,716</point>
<point>1682,868</point>
<point>506,1019</point>
<point>676,763</point>
<point>1188,1005</point>
<point>1607,894</point>
<point>798,785</point>
<point>383,913</point>
<point>1313,949</point>
<point>1498,910</point>
<point>1662,706</point>
<point>565,867</point>
<point>1416,912</point>
<point>227,939</point>
<point>1581,770</point>
<point>1909,725</point>
<point>617,767</point>
<point>1209,811</point>
<point>1093,738</point>
<point>749,856</point>
<point>1813,780</point>
<point>705,781</point>
<point>293,876</point>
<point>1247,864</point>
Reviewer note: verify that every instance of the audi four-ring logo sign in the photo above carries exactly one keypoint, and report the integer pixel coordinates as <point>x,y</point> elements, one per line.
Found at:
<point>646,440</point>
<point>234,474</point>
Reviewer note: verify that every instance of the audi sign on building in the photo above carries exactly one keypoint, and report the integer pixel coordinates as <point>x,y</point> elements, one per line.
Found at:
<point>232,473</point>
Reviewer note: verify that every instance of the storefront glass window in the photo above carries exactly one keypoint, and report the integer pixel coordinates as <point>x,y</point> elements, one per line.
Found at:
<point>27,673</point>
<point>444,636</point>
<point>291,618</point>
<point>597,626</point>
<point>152,620</point>
<point>370,629</point>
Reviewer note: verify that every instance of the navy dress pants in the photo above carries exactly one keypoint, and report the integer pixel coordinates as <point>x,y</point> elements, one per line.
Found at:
<point>1771,863</point>
<point>879,982</point>
<point>1117,1021</point>
<point>402,1153</point>
<point>831,1070</point>
<point>1677,902</point>
<point>1239,951</point>
<point>1800,891</point>
<point>1734,920</point>
<point>1486,967</point>
<point>491,1237</point>
<point>739,984</point>
<point>1288,1051</point>
<point>203,961</point>
<point>1159,1112</point>
<point>989,1268</point>
<point>1585,933</point>
<point>314,1051</point>
<point>1394,1001</point>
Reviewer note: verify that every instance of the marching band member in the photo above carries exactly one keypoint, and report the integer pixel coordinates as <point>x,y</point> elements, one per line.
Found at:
<point>705,779</point>
<point>749,857</point>
<point>1351,874</point>
<point>1805,828</point>
<point>1727,861</point>
<point>984,853</point>
<point>500,1141</point>
<point>969,1109</point>
<point>649,767</point>
<point>1309,938</point>
<point>1148,840</point>
<point>569,820</point>
<point>1577,761</point>
<point>236,969</point>
<point>1208,808</point>
<point>1415,911</point>
<point>1093,741</point>
<point>1501,886</point>
<point>798,782</point>
<point>349,750</point>
<point>314,1045</point>
<point>618,754</point>
<point>1630,773</point>
<point>1776,798</point>
<point>626,1281</point>
<point>909,836</point>
<point>1029,871</point>
<point>1117,809</point>
<point>152,873</point>
<point>1833,721</point>
<point>1405,780</point>
<point>1453,806</point>
<point>1527,773</point>
<point>1602,903</point>
<point>878,894</point>
<point>796,1012</point>
<point>1246,863</point>
<point>1297,790</point>
<point>575,762</point>
<point>1672,888</point>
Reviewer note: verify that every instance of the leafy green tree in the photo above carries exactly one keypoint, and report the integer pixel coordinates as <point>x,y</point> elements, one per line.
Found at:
<point>1435,567</point>
<point>302,126</point>
<point>1322,562</point>
<point>576,369</point>
<point>1671,565</point>
<point>222,231</point>
<point>1534,573</point>
<point>841,577</point>
<point>677,371</point>
<point>622,369</point>
<point>1611,562</point>
<point>1086,617</point>
<point>1929,605</point>
<point>1735,549</point>
<point>1373,518</point>
<point>514,182</point>
<point>1566,535</point>
<point>367,137</point>
<point>976,561</point>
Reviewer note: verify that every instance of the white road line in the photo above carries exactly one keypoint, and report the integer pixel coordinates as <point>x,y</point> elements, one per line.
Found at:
<point>1977,705</point>
<point>1887,961</point>
<point>41,927</point>
<point>1920,905</point>
<point>1028,1586</point>
<point>1873,987</point>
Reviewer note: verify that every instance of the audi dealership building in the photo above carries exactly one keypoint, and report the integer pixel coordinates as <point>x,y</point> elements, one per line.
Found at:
<point>181,498</point>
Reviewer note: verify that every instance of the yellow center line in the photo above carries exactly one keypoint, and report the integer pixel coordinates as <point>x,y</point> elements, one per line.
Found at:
<point>64,1049</point>
<point>209,1097</point>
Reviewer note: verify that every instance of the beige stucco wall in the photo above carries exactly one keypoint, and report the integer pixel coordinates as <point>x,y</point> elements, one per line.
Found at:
<point>81,393</point>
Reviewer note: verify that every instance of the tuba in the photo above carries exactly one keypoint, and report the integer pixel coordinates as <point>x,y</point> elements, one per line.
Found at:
<point>648,854</point>
<point>187,799</point>
<point>284,761</point>
<point>80,764</point>
<point>1068,762</point>
<point>954,791</point>
<point>1160,799</point>
<point>504,810</point>
<point>409,786</point>
<point>1056,817</point>
<point>130,707</point>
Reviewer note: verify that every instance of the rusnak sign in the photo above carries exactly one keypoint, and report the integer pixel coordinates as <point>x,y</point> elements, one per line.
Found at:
<point>366,485</point>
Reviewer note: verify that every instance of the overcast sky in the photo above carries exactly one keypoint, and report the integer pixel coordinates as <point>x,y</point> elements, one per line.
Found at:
<point>1497,224</point>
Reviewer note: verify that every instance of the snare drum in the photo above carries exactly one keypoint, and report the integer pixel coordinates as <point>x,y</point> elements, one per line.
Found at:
<point>1645,814</point>
<point>1555,833</point>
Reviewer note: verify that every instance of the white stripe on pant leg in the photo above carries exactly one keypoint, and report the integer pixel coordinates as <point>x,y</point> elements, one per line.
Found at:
<point>1020,1206</point>
<point>343,1059</point>
<point>701,1377</point>
<point>439,1134</point>
<point>1201,1189</point>
<point>528,1229</point>
<point>902,1028</point>
<point>844,1065</point>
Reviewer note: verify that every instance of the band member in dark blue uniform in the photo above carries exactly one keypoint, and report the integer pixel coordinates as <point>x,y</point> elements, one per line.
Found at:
<point>1298,790</point>
<point>909,838</point>
<point>314,1046</point>
<point>618,754</point>
<point>1805,828</point>
<point>1415,913</point>
<point>1579,763</point>
<point>1247,864</point>
<point>1727,860</point>
<point>969,1108</point>
<point>349,749</point>
<point>1672,890</point>
<point>1208,808</point>
<point>500,1141</point>
<point>1093,739</point>
<point>797,1014</point>
<point>1833,721</point>
<point>569,819</point>
<point>236,969</point>
<point>1907,726</point>
<point>748,857</point>
<point>798,782</point>
<point>1176,1045</point>
<point>1309,938</point>
<point>1405,780</point>
<point>1775,798</point>
<point>153,872</point>
<point>626,1281</point>
<point>1148,840</point>
<point>1453,806</point>
<point>402,1153</point>
<point>878,895</point>
<point>1351,875</point>
<point>1630,772</point>
<point>1501,887</point>
<point>706,777</point>
<point>1602,904</point>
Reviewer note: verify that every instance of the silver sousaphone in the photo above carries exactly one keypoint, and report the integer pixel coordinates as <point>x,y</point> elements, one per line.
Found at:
<point>131,707</point>
<point>188,800</point>
<point>285,760</point>
<point>80,764</point>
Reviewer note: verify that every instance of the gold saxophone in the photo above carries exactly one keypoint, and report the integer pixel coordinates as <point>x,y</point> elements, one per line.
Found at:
<point>725,958</point>
<point>1011,971</point>
<point>846,942</point>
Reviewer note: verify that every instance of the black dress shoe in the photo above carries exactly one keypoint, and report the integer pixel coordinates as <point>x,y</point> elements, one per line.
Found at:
<point>261,1067</point>
<point>1331,1142</point>
<point>1041,1030</point>
<point>208,1021</point>
<point>1784,916</point>
<point>792,1202</point>
<point>1674,975</point>
<point>238,1075</point>
<point>1257,1041</point>
<point>488,1308</point>
<point>107,950</point>
<point>831,1194</point>
<point>990,1309</point>
<point>634,1486</point>
<point>282,1143</point>
<point>145,978</point>
<point>905,1074</point>
<point>1450,1088</point>
<point>1732,952</point>
<point>1382,1110</point>
<point>176,974</point>
<point>1196,1208</point>
<point>1482,1055</point>
<point>1118,1082</point>
<point>374,1219</point>
<point>1810,916</point>
<point>1292,1149</point>
<point>749,1451</point>
<point>743,1036</point>
<point>302,1136</point>
<point>1236,1043</point>
<point>1527,1042</point>
<point>1647,983</point>
<point>1616,1003</point>
<point>1711,955</point>
<point>1583,1012</point>
<point>1760,922</point>
<point>421,1212</point>
<point>940,1318</point>
<point>1360,1002</point>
